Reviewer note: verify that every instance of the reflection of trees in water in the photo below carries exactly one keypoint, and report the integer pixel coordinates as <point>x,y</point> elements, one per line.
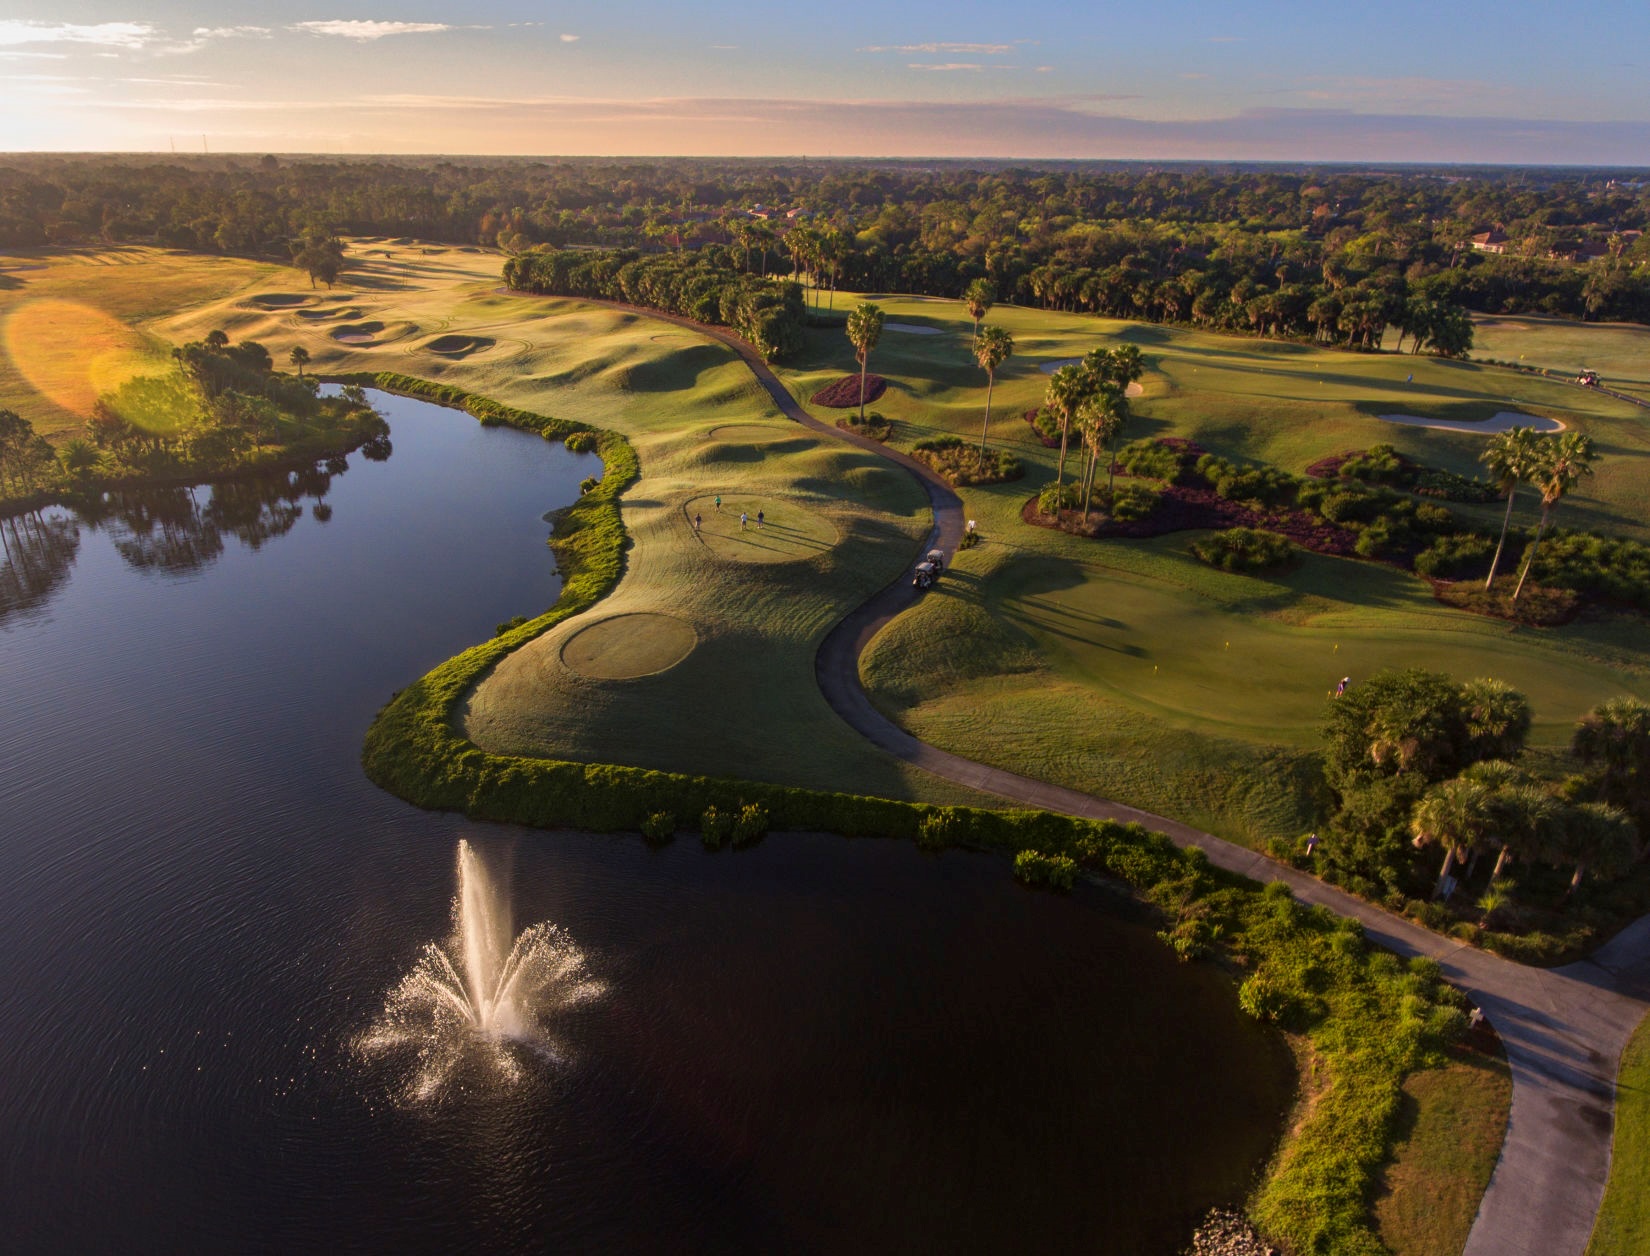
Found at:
<point>168,530</point>
<point>36,552</point>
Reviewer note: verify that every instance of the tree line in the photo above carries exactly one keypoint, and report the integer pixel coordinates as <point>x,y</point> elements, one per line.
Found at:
<point>1228,247</point>
<point>767,313</point>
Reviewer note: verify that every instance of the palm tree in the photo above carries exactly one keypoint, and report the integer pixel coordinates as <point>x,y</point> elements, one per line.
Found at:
<point>1497,716</point>
<point>1067,388</point>
<point>1503,780</point>
<point>299,357</point>
<point>978,297</point>
<point>1572,457</point>
<point>1101,418</point>
<point>992,347</point>
<point>1598,836</point>
<point>864,330</point>
<point>1457,815</point>
<point>217,338</point>
<point>1614,739</point>
<point>1512,456</point>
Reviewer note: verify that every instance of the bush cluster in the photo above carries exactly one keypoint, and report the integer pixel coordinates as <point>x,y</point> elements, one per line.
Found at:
<point>959,463</point>
<point>1245,550</point>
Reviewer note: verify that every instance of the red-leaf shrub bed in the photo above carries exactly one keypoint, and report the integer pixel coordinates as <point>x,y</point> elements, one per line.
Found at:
<point>844,394</point>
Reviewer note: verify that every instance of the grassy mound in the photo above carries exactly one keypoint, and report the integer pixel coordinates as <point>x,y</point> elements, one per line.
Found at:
<point>844,394</point>
<point>625,647</point>
<point>278,300</point>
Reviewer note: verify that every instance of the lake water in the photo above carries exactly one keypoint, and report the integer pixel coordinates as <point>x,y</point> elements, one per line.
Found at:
<point>815,1045</point>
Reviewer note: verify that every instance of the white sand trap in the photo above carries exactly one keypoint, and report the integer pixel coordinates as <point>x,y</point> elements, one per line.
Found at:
<point>1502,422</point>
<point>914,329</point>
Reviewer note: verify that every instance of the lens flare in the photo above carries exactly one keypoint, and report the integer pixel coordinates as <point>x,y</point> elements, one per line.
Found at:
<point>71,354</point>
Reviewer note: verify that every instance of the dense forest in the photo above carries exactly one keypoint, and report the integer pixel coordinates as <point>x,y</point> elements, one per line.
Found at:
<point>1272,249</point>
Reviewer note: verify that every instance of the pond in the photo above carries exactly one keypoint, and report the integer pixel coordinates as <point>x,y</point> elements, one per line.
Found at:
<point>817,1044</point>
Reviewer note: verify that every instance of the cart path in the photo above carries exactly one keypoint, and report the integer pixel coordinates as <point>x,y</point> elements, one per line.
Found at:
<point>1564,1029</point>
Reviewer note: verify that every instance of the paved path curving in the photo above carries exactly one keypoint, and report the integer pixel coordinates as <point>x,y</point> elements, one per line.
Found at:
<point>1564,1029</point>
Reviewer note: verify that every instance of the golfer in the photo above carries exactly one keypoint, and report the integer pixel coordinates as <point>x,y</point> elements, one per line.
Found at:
<point>743,519</point>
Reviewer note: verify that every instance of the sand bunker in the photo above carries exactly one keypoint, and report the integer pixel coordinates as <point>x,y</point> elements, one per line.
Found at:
<point>790,532</point>
<point>1502,422</point>
<point>459,346</point>
<point>914,329</point>
<point>278,300</point>
<point>1136,389</point>
<point>626,647</point>
<point>358,334</point>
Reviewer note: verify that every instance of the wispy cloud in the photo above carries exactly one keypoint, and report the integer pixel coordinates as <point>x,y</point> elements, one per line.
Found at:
<point>569,39</point>
<point>105,34</point>
<point>946,66</point>
<point>353,29</point>
<point>232,32</point>
<point>1226,39</point>
<point>977,50</point>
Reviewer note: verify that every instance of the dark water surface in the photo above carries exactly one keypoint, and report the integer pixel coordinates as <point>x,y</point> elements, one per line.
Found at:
<point>816,1045</point>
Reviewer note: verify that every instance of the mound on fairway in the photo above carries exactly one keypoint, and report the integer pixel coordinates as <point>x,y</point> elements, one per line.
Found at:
<point>627,647</point>
<point>1506,420</point>
<point>844,394</point>
<point>791,531</point>
<point>344,311</point>
<point>459,346</point>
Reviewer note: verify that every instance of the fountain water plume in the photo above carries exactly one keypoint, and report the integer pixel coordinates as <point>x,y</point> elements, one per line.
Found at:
<point>480,997</point>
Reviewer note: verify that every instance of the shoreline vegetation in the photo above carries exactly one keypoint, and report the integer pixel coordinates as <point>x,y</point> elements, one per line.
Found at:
<point>1371,1019</point>
<point>221,413</point>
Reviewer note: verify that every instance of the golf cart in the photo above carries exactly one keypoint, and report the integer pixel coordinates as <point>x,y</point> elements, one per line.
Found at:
<point>1588,379</point>
<point>928,570</point>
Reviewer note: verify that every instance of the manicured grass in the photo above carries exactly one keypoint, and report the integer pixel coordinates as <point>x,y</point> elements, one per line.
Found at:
<point>1619,352</point>
<point>1127,668</point>
<point>1623,1227</point>
<point>72,323</point>
<point>1451,1123</point>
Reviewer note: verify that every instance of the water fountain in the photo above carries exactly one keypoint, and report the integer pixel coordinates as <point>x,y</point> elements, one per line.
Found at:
<point>479,1002</point>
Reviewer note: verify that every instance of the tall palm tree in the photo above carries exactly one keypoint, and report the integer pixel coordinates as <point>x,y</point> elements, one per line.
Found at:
<point>1100,419</point>
<point>1571,458</point>
<point>1067,388</point>
<point>864,330</point>
<point>992,347</point>
<point>1498,718</point>
<point>299,357</point>
<point>1513,457</point>
<point>1456,814</point>
<point>1503,780</point>
<point>978,297</point>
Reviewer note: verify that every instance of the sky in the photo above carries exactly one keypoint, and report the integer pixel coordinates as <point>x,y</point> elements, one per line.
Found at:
<point>1516,82</point>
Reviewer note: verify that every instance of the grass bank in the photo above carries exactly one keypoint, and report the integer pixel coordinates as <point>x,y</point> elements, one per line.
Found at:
<point>1623,1226</point>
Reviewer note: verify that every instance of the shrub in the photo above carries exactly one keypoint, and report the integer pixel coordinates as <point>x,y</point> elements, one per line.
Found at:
<point>1055,498</point>
<point>942,827</point>
<point>1379,464</point>
<point>843,394</point>
<point>750,824</point>
<point>588,484</point>
<point>1132,501</point>
<point>659,827</point>
<point>1267,486</point>
<point>876,426</point>
<point>580,442</point>
<point>960,463</point>
<point>1151,459</point>
<point>510,625</point>
<point>1449,557</point>
<point>1244,550</point>
<point>1261,998</point>
<point>1055,872</point>
<point>715,827</point>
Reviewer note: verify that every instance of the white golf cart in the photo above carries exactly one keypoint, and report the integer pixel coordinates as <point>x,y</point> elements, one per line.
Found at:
<point>928,570</point>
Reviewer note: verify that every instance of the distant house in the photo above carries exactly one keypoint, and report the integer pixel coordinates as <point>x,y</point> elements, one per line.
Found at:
<point>1584,251</point>
<point>1490,242</point>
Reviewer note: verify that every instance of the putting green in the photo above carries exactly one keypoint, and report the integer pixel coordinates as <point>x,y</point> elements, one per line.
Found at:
<point>754,433</point>
<point>626,647</point>
<point>791,531</point>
